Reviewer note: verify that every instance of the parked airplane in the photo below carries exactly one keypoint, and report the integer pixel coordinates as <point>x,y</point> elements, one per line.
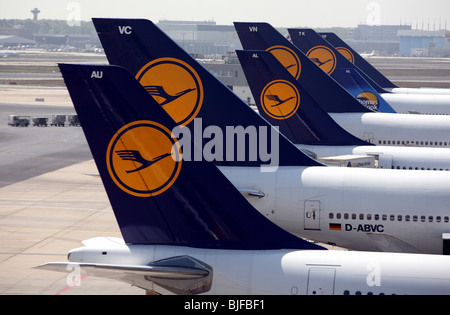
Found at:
<point>367,55</point>
<point>196,234</point>
<point>372,72</point>
<point>307,125</point>
<point>296,196</point>
<point>362,122</point>
<point>317,48</point>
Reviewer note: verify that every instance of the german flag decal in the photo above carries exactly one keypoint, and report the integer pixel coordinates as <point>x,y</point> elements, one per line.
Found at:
<point>335,227</point>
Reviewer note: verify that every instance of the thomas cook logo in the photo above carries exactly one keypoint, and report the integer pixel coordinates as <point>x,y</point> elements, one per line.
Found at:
<point>280,99</point>
<point>369,100</point>
<point>175,85</point>
<point>346,53</point>
<point>288,59</point>
<point>323,57</point>
<point>143,158</point>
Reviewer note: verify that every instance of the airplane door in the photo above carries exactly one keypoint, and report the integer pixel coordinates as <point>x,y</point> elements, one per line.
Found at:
<point>312,215</point>
<point>321,281</point>
<point>368,136</point>
<point>385,161</point>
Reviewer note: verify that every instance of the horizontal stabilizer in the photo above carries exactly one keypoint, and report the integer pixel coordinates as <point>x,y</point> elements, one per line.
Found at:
<point>389,243</point>
<point>180,275</point>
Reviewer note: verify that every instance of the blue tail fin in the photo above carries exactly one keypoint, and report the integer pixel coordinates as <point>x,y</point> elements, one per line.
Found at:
<point>283,102</point>
<point>158,197</point>
<point>186,90</point>
<point>359,61</point>
<point>324,54</point>
<point>354,83</point>
<point>262,36</point>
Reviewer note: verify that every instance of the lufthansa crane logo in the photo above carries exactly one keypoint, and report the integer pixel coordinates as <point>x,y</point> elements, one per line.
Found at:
<point>346,53</point>
<point>323,57</point>
<point>280,99</point>
<point>288,58</point>
<point>175,85</point>
<point>143,158</point>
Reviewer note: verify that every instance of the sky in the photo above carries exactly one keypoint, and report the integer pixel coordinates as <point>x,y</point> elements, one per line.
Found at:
<point>279,13</point>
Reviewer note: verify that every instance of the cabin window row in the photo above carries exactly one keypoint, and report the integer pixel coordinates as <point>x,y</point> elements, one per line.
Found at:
<point>416,168</point>
<point>403,142</point>
<point>390,217</point>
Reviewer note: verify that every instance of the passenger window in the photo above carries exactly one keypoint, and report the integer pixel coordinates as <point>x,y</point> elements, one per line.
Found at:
<point>430,218</point>
<point>446,219</point>
<point>415,218</point>
<point>338,216</point>
<point>422,218</point>
<point>361,216</point>
<point>353,216</point>
<point>377,217</point>
<point>330,216</point>
<point>384,217</point>
<point>407,218</point>
<point>369,217</point>
<point>438,219</point>
<point>399,218</point>
<point>346,216</point>
<point>392,217</point>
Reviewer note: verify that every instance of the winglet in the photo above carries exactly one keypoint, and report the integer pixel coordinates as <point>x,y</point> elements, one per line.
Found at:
<point>173,201</point>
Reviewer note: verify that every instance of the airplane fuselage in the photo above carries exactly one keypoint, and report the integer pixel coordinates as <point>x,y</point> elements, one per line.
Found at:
<point>391,157</point>
<point>360,209</point>
<point>315,272</point>
<point>418,103</point>
<point>397,129</point>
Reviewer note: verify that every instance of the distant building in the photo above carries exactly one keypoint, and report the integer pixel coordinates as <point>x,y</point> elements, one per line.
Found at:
<point>14,41</point>
<point>202,37</point>
<point>230,73</point>
<point>382,39</point>
<point>424,43</point>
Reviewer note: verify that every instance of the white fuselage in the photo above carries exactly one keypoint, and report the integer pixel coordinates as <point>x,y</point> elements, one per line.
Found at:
<point>418,103</point>
<point>397,129</point>
<point>359,209</point>
<point>423,90</point>
<point>249,272</point>
<point>391,157</point>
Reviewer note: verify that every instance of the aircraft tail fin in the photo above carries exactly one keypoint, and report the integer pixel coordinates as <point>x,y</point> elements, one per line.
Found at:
<point>156,195</point>
<point>354,83</point>
<point>324,54</point>
<point>262,36</point>
<point>186,90</point>
<point>359,61</point>
<point>282,101</point>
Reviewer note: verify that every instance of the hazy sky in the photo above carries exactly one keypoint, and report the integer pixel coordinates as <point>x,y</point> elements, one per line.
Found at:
<point>280,13</point>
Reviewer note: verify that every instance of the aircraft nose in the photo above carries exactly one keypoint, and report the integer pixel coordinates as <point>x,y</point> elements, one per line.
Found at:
<point>75,255</point>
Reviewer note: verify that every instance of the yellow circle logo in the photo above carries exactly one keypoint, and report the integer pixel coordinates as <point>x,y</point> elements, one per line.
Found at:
<point>175,86</point>
<point>280,99</point>
<point>346,53</point>
<point>323,57</point>
<point>288,58</point>
<point>369,100</point>
<point>143,158</point>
